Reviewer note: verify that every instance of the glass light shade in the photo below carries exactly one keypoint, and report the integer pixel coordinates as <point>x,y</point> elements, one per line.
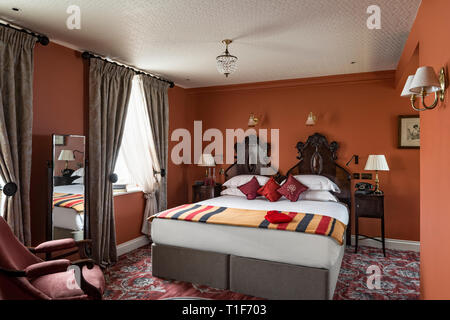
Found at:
<point>66,155</point>
<point>206,160</point>
<point>406,92</point>
<point>252,121</point>
<point>311,120</point>
<point>226,63</point>
<point>425,78</point>
<point>377,162</point>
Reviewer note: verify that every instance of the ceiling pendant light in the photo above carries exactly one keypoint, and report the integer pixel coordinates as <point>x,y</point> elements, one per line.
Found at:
<point>226,63</point>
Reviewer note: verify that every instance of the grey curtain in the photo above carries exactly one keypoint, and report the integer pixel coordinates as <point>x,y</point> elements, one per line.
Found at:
<point>157,100</point>
<point>16,120</point>
<point>109,93</point>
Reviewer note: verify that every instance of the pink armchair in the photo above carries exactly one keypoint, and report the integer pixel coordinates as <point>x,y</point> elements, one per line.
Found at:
<point>23,275</point>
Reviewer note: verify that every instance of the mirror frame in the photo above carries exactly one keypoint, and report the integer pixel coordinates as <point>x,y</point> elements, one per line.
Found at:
<point>50,184</point>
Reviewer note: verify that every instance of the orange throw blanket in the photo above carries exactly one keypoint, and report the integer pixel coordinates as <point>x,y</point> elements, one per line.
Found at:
<point>301,222</point>
<point>67,200</point>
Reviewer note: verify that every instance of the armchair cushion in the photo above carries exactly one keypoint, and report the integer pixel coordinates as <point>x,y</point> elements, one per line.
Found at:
<point>47,267</point>
<point>60,285</point>
<point>55,245</point>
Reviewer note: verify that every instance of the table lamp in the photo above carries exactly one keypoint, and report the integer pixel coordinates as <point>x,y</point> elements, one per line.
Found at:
<point>66,155</point>
<point>207,160</point>
<point>377,163</point>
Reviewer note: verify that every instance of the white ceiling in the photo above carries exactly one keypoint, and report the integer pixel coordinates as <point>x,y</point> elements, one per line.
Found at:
<point>273,40</point>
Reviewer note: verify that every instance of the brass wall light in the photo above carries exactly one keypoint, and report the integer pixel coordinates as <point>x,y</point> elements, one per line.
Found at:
<point>252,121</point>
<point>424,82</point>
<point>311,120</point>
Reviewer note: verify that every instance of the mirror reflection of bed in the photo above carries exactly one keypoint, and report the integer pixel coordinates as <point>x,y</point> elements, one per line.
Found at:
<point>68,212</point>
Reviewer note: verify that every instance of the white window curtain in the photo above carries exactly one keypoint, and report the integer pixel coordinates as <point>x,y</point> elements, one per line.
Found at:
<point>138,151</point>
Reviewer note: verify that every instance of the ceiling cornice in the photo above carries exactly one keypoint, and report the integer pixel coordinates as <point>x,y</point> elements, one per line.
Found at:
<point>315,81</point>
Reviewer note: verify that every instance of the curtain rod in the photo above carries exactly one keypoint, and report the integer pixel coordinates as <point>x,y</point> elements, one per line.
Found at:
<point>42,39</point>
<point>87,55</point>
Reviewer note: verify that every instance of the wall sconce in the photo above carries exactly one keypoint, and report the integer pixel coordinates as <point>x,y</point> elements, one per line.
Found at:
<point>252,121</point>
<point>311,120</point>
<point>423,83</point>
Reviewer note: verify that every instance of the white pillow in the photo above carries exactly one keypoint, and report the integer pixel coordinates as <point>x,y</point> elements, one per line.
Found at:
<point>232,192</point>
<point>243,179</point>
<point>317,196</point>
<point>78,173</point>
<point>318,183</point>
<point>78,181</point>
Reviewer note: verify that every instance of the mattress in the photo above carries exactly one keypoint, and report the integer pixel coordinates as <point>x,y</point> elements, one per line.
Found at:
<point>296,248</point>
<point>68,218</point>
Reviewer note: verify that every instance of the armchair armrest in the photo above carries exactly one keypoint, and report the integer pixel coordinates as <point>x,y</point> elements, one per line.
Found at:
<point>55,245</point>
<point>13,273</point>
<point>84,262</point>
<point>47,267</point>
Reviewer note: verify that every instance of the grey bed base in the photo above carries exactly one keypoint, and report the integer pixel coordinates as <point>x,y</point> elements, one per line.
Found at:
<point>259,278</point>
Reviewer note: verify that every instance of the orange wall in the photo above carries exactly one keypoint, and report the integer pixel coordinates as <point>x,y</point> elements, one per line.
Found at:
<point>430,34</point>
<point>359,111</point>
<point>177,183</point>
<point>60,106</point>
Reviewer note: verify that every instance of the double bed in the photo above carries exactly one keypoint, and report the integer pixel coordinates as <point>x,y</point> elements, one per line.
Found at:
<point>267,263</point>
<point>68,207</point>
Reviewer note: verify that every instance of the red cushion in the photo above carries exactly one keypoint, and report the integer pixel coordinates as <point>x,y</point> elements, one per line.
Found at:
<point>277,217</point>
<point>269,190</point>
<point>292,188</point>
<point>250,189</point>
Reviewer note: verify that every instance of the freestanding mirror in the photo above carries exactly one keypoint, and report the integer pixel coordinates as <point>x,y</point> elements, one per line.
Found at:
<point>67,215</point>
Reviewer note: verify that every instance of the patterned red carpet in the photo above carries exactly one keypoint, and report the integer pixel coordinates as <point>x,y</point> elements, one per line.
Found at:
<point>131,278</point>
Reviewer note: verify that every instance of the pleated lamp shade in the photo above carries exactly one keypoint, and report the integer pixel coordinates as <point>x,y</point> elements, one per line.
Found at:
<point>206,160</point>
<point>377,162</point>
<point>66,155</point>
<point>425,78</point>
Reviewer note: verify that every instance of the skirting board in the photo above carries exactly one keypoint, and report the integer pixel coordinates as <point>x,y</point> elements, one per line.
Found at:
<point>394,244</point>
<point>132,245</point>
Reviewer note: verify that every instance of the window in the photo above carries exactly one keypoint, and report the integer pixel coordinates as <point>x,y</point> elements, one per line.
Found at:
<point>135,160</point>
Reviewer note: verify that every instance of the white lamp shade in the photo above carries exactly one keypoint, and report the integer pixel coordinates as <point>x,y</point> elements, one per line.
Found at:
<point>425,78</point>
<point>406,92</point>
<point>66,155</point>
<point>377,162</point>
<point>311,120</point>
<point>206,160</point>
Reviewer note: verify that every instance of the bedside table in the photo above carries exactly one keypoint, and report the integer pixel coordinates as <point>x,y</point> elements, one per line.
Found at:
<point>369,206</point>
<point>200,193</point>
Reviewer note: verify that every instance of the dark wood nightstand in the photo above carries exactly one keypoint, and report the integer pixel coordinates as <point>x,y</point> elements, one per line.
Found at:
<point>369,206</point>
<point>200,192</point>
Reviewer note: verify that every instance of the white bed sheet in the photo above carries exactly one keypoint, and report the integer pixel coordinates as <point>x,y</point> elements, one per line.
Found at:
<point>266,244</point>
<point>71,188</point>
<point>68,218</point>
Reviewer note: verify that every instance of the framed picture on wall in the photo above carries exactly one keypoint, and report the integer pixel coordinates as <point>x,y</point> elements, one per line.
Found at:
<point>409,132</point>
<point>60,140</point>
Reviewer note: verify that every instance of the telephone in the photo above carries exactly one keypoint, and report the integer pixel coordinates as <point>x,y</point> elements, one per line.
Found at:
<point>364,188</point>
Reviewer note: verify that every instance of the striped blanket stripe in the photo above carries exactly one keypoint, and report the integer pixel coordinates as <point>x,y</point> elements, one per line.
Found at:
<point>68,200</point>
<point>301,222</point>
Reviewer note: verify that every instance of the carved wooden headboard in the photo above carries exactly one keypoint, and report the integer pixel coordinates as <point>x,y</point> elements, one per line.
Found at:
<point>245,166</point>
<point>317,156</point>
